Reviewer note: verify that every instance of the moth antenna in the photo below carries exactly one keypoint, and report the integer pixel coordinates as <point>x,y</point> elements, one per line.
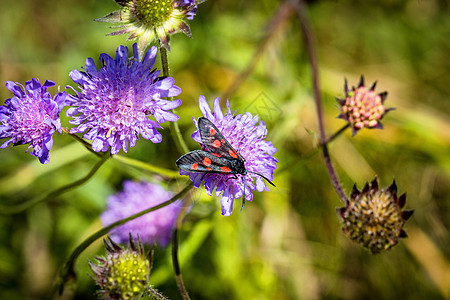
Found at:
<point>262,177</point>
<point>239,146</point>
<point>243,198</point>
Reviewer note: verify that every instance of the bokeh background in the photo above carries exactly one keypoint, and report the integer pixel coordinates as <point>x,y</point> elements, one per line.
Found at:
<point>287,244</point>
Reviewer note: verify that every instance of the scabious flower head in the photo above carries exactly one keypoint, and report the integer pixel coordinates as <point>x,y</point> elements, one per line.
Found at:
<point>145,20</point>
<point>374,218</point>
<point>154,227</point>
<point>116,100</point>
<point>362,107</point>
<point>31,117</point>
<point>247,137</point>
<point>124,272</point>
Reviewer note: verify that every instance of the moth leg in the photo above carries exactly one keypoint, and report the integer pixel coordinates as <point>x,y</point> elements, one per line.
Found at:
<point>204,174</point>
<point>234,177</point>
<point>243,197</point>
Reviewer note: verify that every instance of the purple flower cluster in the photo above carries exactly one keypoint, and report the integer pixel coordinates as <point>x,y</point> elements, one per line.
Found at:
<point>31,116</point>
<point>247,137</point>
<point>116,100</point>
<point>154,227</point>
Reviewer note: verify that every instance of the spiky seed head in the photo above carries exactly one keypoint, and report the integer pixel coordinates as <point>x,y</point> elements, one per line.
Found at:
<point>362,106</point>
<point>374,217</point>
<point>124,272</point>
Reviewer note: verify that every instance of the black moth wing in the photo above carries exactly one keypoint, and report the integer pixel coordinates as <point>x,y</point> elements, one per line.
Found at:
<point>204,161</point>
<point>213,139</point>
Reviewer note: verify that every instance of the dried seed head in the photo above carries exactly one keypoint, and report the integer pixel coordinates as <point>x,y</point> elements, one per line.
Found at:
<point>374,218</point>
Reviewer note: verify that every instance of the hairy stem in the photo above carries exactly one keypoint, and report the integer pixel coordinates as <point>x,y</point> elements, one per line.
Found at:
<point>68,272</point>
<point>174,129</point>
<point>304,24</point>
<point>9,210</point>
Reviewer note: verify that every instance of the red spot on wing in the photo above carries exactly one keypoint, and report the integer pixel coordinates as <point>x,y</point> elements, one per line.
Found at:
<point>216,144</point>
<point>207,161</point>
<point>222,140</point>
<point>212,131</point>
<point>194,166</point>
<point>208,169</point>
<point>232,153</point>
<point>225,169</point>
<point>215,154</point>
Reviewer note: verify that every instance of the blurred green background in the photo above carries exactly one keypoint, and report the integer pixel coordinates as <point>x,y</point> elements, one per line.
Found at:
<point>287,244</point>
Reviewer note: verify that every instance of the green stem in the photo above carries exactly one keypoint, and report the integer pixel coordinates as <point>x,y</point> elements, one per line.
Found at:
<point>145,166</point>
<point>175,261</point>
<point>154,294</point>
<point>128,161</point>
<point>82,141</point>
<point>336,134</point>
<point>283,12</point>
<point>176,266</point>
<point>68,271</point>
<point>174,128</point>
<point>9,210</point>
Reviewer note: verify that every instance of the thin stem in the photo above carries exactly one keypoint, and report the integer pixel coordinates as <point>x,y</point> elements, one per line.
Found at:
<point>176,266</point>
<point>68,271</point>
<point>9,210</point>
<point>174,129</point>
<point>129,161</point>
<point>154,293</point>
<point>175,261</point>
<point>299,8</point>
<point>281,15</point>
<point>336,134</point>
<point>145,166</point>
<point>82,141</point>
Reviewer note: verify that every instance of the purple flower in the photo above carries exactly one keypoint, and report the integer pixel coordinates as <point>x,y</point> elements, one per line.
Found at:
<point>154,227</point>
<point>31,116</point>
<point>243,134</point>
<point>116,100</point>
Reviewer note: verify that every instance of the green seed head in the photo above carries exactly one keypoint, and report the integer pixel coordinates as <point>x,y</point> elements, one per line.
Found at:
<point>153,12</point>
<point>123,273</point>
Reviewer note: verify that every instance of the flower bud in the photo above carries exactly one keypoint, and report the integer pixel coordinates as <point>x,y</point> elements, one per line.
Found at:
<point>362,107</point>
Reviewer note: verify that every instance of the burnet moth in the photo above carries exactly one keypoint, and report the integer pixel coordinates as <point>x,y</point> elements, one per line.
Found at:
<point>220,156</point>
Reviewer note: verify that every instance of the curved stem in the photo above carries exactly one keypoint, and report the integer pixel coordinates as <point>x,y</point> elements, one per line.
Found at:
<point>154,293</point>
<point>146,166</point>
<point>9,210</point>
<point>336,134</point>
<point>82,141</point>
<point>176,266</point>
<point>129,161</point>
<point>276,23</point>
<point>174,129</point>
<point>68,271</point>
<point>299,8</point>
<point>175,261</point>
